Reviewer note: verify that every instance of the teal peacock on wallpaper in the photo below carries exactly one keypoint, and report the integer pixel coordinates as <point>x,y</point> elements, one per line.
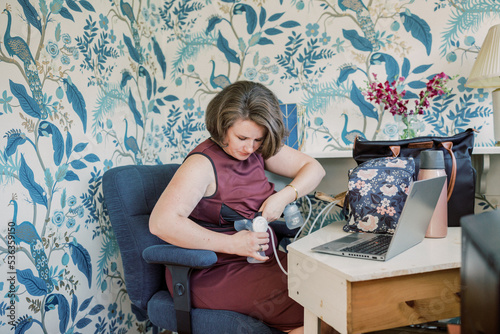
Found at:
<point>372,49</point>
<point>16,46</point>
<point>43,159</point>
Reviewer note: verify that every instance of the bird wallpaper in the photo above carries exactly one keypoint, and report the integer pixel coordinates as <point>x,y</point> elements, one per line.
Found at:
<point>90,85</point>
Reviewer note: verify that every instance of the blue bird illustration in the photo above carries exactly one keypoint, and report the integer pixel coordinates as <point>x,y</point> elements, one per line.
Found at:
<point>16,46</point>
<point>220,81</point>
<point>26,232</point>
<point>363,17</point>
<point>129,141</point>
<point>348,137</point>
<point>128,11</point>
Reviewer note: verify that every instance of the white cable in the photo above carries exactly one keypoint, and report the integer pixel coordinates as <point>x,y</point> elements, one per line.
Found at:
<point>319,215</point>
<point>326,214</point>
<point>329,205</point>
<point>275,253</point>
<point>307,219</point>
<point>310,208</point>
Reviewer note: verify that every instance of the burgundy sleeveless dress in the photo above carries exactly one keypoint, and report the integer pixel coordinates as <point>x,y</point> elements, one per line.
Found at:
<point>258,290</point>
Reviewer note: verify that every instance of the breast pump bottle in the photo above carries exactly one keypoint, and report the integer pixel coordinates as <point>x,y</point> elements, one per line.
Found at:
<point>293,216</point>
<point>258,224</point>
<point>432,165</point>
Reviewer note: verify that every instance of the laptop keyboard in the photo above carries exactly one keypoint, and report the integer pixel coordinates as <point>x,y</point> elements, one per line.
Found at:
<point>377,245</point>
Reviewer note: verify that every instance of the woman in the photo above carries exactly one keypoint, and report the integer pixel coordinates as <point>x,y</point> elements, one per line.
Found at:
<point>222,180</point>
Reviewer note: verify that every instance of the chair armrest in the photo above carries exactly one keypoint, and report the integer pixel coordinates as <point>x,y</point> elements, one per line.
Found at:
<point>178,256</point>
<point>180,262</point>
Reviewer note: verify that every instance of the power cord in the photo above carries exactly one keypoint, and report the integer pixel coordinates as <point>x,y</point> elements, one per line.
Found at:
<point>307,219</point>
<point>275,252</point>
<point>328,206</point>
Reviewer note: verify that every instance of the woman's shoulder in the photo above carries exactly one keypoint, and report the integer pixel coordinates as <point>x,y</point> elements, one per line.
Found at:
<point>198,158</point>
<point>210,149</point>
<point>196,165</point>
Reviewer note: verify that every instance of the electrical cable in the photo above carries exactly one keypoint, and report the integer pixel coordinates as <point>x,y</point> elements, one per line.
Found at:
<point>274,250</point>
<point>296,235</point>
<point>326,215</point>
<point>329,205</point>
<point>307,219</point>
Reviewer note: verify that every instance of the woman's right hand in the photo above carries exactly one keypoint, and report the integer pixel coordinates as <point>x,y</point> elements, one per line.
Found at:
<point>247,243</point>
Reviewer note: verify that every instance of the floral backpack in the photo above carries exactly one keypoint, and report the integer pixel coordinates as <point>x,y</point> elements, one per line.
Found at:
<point>377,192</point>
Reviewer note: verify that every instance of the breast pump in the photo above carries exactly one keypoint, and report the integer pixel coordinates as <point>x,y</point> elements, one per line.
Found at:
<point>293,219</point>
<point>293,216</point>
<point>258,224</point>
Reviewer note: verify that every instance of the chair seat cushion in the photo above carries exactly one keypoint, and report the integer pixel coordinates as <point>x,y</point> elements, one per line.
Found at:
<point>160,311</point>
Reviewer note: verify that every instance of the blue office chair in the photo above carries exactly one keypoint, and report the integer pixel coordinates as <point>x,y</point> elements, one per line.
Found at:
<point>130,193</point>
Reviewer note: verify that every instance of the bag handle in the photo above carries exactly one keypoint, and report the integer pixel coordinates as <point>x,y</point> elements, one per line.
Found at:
<point>448,145</point>
<point>395,150</point>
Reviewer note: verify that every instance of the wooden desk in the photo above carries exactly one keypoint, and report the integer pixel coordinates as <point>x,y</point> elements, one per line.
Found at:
<point>359,296</point>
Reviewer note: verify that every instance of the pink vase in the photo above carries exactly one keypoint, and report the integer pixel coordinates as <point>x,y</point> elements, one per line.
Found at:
<point>432,165</point>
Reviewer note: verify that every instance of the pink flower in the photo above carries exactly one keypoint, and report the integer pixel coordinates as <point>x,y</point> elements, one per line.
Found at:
<point>391,96</point>
<point>389,190</point>
<point>397,163</point>
<point>368,223</point>
<point>367,174</point>
<point>360,184</point>
<point>391,211</point>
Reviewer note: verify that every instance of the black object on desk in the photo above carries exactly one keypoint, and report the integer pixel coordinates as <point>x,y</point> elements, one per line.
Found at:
<point>480,273</point>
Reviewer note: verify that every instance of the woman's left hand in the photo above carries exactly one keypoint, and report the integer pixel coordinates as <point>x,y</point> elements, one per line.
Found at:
<point>273,207</point>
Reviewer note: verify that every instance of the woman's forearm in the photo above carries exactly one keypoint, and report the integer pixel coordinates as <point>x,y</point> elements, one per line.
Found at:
<point>183,232</point>
<point>307,179</point>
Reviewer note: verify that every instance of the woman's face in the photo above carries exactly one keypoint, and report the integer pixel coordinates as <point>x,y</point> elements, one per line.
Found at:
<point>243,138</point>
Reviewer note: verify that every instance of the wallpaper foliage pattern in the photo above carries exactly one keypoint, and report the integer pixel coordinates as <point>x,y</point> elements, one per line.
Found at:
<point>90,85</point>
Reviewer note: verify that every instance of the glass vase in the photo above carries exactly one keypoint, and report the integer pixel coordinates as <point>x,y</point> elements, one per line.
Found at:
<point>409,126</point>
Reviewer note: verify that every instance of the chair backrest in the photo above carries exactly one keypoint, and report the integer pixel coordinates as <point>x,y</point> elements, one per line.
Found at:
<point>130,194</point>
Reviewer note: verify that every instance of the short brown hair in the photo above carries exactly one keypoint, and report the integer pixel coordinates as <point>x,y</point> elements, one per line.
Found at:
<point>247,100</point>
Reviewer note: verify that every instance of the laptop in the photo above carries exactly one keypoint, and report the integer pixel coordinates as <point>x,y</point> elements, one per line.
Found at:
<point>410,230</point>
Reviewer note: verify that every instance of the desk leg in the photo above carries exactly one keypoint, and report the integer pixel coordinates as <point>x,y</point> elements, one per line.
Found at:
<point>311,323</point>
<point>314,325</point>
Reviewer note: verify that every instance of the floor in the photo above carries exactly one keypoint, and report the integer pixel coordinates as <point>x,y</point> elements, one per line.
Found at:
<point>429,328</point>
<point>405,330</point>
